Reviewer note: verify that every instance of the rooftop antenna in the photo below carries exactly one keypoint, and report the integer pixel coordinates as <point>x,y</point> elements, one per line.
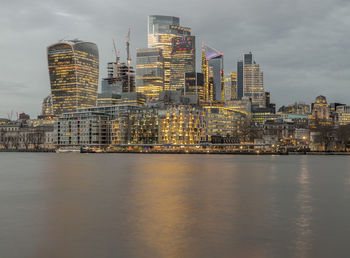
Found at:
<point>128,56</point>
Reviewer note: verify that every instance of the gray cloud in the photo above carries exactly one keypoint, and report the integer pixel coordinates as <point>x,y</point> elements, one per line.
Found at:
<point>300,45</point>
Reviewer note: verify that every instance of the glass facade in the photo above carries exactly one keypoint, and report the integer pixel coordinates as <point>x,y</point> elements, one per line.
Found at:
<point>195,85</point>
<point>223,121</point>
<point>230,86</point>
<point>213,70</point>
<point>183,60</point>
<point>239,79</point>
<point>343,115</point>
<point>149,72</point>
<point>253,81</point>
<point>182,125</point>
<point>161,31</point>
<point>73,69</point>
<point>82,128</point>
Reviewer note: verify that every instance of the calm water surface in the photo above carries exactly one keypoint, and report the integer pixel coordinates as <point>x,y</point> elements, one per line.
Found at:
<point>137,205</point>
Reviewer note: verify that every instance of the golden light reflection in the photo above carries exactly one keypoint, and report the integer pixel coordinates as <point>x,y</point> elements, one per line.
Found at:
<point>303,222</point>
<point>163,220</point>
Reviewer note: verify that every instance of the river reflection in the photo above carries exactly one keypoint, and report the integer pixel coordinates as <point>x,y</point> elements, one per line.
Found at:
<point>304,217</point>
<point>131,205</point>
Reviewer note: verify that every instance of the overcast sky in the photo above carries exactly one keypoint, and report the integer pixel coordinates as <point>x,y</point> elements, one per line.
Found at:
<point>301,45</point>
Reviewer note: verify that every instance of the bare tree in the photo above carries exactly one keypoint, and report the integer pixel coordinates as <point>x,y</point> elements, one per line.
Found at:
<point>38,138</point>
<point>325,136</point>
<point>343,136</point>
<point>248,131</point>
<point>27,139</point>
<point>6,140</point>
<point>15,138</point>
<point>2,136</point>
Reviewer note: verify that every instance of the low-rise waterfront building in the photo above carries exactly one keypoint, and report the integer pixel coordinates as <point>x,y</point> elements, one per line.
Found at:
<point>182,125</point>
<point>21,136</point>
<point>82,129</point>
<point>280,128</point>
<point>224,121</point>
<point>343,113</point>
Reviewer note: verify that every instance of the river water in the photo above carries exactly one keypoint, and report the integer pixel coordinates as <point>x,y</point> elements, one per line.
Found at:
<point>155,205</point>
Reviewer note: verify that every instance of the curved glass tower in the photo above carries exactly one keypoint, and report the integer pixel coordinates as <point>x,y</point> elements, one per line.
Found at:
<point>73,69</point>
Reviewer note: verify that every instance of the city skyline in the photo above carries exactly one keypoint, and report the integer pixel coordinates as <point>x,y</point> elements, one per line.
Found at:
<point>300,60</point>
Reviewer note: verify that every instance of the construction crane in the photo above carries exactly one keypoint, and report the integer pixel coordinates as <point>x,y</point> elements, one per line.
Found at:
<point>10,115</point>
<point>116,52</point>
<point>128,57</point>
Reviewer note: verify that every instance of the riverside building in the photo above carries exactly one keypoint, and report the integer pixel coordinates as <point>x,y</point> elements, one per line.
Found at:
<point>125,124</point>
<point>73,70</point>
<point>182,125</point>
<point>224,121</point>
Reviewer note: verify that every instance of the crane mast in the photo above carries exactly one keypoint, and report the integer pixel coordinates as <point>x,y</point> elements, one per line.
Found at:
<point>128,57</point>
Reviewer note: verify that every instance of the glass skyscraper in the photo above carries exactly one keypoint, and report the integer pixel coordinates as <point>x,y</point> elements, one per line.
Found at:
<point>183,60</point>
<point>230,86</point>
<point>149,71</point>
<point>253,81</point>
<point>194,85</point>
<point>213,70</point>
<point>161,32</point>
<point>240,79</point>
<point>73,70</point>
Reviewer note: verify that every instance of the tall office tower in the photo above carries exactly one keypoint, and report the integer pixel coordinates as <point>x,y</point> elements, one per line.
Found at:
<point>213,70</point>
<point>267,99</point>
<point>149,71</point>
<point>234,85</point>
<point>183,60</point>
<point>194,85</point>
<point>230,86</point>
<point>161,31</point>
<point>253,83</point>
<point>73,69</point>
<point>240,79</point>
<point>248,58</point>
<point>117,79</point>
